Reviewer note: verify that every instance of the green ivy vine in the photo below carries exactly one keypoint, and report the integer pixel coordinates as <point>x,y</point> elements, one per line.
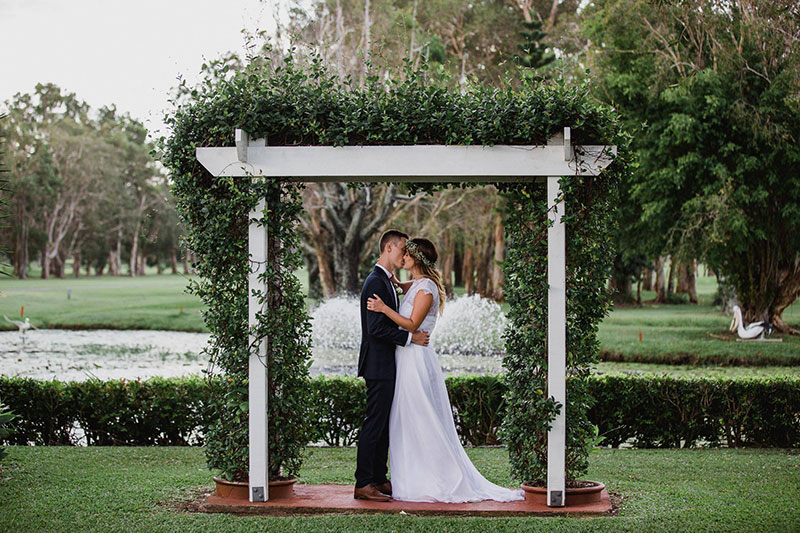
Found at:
<point>303,103</point>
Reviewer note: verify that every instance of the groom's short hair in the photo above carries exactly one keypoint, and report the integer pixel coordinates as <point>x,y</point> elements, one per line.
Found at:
<point>391,235</point>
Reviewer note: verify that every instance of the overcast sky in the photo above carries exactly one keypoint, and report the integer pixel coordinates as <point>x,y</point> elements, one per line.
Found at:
<point>113,52</point>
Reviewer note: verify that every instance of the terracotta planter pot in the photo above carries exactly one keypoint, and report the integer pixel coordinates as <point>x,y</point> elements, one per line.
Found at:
<point>234,490</point>
<point>575,496</point>
<point>280,490</point>
<point>240,490</point>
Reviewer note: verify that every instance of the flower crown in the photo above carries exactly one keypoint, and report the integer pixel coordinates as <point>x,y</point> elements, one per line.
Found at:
<point>414,250</point>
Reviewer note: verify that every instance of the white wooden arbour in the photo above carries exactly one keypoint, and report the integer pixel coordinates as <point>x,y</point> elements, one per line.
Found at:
<point>419,163</point>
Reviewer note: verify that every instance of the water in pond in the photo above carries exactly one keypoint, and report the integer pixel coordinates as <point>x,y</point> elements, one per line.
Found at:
<point>106,354</point>
<point>468,339</point>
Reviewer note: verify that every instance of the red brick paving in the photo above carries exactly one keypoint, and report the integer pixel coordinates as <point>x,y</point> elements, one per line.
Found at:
<point>338,499</point>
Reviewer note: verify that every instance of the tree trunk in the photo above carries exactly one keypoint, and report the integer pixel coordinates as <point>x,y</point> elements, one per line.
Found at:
<point>447,254</point>
<point>647,280</point>
<point>367,37</point>
<point>691,281</point>
<point>458,265</point>
<point>788,293</point>
<point>551,20</point>
<point>21,257</point>
<point>525,6</point>
<point>58,267</point>
<point>682,277</point>
<point>134,250</point>
<point>661,285</point>
<point>326,269</point>
<point>468,270</point>
<point>185,258</point>
<point>111,263</point>
<point>499,256</point>
<point>312,268</point>
<point>76,264</point>
<point>46,261</point>
<point>623,287</point>
<point>671,279</point>
<point>173,261</point>
<point>116,257</point>
<point>482,259</point>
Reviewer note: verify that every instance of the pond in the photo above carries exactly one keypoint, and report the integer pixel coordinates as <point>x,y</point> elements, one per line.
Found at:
<point>468,337</point>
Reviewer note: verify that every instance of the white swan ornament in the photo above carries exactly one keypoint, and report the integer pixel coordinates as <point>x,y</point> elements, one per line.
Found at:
<point>750,331</point>
<point>23,326</point>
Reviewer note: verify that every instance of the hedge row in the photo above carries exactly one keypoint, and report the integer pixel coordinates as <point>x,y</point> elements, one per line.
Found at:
<point>646,412</point>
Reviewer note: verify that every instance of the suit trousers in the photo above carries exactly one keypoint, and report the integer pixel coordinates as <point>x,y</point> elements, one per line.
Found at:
<point>373,442</point>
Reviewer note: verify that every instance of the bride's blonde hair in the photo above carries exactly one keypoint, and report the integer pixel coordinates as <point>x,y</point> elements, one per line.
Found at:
<point>425,256</point>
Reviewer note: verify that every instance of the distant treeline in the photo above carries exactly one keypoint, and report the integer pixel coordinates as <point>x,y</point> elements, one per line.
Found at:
<point>84,191</point>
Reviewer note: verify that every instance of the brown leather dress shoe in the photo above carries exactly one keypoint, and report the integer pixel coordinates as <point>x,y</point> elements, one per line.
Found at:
<point>370,493</point>
<point>385,487</point>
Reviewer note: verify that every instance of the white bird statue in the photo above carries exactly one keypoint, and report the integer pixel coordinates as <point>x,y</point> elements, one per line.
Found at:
<point>750,331</point>
<point>23,326</point>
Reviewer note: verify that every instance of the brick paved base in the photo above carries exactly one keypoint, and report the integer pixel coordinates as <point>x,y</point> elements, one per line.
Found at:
<point>338,499</point>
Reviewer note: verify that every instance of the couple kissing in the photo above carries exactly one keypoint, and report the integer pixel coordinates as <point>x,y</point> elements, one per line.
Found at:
<point>408,419</point>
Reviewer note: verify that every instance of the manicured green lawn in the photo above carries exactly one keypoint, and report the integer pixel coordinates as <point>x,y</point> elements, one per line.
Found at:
<point>682,333</point>
<point>146,302</point>
<point>697,370</point>
<point>144,489</point>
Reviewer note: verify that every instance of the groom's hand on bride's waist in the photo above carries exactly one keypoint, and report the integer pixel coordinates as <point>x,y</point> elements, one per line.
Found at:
<point>420,337</point>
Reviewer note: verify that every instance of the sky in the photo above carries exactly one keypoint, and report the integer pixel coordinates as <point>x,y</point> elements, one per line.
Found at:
<point>125,53</point>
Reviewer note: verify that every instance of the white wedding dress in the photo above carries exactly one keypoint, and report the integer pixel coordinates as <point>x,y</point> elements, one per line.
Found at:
<point>428,463</point>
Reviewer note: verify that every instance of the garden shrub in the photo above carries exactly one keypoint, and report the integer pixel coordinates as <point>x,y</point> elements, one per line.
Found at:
<point>6,417</point>
<point>339,407</point>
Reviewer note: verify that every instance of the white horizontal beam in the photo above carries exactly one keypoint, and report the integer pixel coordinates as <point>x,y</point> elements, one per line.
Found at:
<point>420,163</point>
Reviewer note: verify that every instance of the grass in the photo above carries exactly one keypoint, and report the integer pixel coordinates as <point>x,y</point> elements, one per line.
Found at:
<point>682,334</point>
<point>147,302</point>
<point>146,489</point>
<point>697,370</point>
<point>671,334</point>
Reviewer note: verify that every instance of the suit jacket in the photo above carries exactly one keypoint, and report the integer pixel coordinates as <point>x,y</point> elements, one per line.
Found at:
<point>379,335</point>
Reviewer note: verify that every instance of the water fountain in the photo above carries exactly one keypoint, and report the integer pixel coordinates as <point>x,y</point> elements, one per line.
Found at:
<point>468,336</point>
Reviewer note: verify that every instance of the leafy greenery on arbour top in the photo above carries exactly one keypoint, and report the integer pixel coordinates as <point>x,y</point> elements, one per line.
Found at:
<point>302,103</point>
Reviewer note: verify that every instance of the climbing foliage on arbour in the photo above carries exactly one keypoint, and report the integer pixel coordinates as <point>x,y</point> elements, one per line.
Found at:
<point>298,102</point>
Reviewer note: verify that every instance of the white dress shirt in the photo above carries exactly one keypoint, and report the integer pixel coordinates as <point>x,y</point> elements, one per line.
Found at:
<point>394,292</point>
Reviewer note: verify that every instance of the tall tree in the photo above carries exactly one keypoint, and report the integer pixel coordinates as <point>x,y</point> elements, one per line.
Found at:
<point>534,51</point>
<point>717,83</point>
<point>76,178</point>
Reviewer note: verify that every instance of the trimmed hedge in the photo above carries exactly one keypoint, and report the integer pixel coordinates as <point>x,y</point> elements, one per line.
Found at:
<point>645,412</point>
<point>158,411</point>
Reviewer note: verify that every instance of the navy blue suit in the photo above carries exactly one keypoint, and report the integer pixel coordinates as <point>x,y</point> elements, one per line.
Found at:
<point>379,337</point>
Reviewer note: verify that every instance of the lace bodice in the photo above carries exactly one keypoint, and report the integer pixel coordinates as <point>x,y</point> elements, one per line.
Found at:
<point>407,305</point>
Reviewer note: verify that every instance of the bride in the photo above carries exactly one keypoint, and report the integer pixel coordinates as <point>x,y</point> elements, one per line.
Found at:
<point>428,463</point>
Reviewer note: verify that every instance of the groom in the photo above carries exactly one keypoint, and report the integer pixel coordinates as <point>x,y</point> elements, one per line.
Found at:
<point>379,337</point>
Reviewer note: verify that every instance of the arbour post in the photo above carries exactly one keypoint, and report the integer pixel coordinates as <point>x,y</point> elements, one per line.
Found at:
<point>257,361</point>
<point>557,331</point>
